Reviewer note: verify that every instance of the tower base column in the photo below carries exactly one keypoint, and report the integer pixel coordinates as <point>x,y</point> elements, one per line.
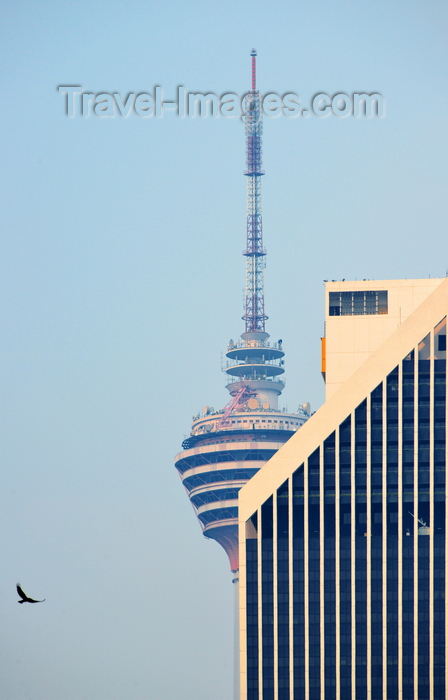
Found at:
<point>236,638</point>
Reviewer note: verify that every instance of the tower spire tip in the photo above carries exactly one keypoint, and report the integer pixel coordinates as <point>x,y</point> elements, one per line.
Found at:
<point>253,54</point>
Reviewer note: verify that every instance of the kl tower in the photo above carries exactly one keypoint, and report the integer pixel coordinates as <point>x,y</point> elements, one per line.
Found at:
<point>227,447</point>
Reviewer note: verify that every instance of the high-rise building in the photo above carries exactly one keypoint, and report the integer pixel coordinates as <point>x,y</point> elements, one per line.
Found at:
<point>343,564</point>
<point>227,447</point>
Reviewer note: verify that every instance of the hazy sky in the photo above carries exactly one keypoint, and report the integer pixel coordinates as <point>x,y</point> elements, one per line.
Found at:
<point>122,281</point>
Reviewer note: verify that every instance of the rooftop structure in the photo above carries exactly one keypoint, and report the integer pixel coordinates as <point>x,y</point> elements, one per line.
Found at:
<point>360,316</point>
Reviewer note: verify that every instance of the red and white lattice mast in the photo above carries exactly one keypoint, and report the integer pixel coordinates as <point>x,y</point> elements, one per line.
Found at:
<point>254,312</point>
<point>256,363</point>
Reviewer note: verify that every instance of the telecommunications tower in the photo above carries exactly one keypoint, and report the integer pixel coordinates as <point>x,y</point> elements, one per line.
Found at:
<point>227,447</point>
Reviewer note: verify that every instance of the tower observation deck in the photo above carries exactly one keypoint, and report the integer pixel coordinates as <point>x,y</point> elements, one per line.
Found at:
<point>227,447</point>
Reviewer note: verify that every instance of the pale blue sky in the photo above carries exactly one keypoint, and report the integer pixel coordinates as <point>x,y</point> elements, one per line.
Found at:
<point>122,282</point>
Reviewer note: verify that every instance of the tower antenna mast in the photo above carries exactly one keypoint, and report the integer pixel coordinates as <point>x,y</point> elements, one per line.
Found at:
<point>254,315</point>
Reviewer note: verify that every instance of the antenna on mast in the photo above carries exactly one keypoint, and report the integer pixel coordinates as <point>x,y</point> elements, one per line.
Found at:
<point>253,53</point>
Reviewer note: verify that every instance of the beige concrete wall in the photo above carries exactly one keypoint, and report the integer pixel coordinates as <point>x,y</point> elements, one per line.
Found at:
<point>350,340</point>
<point>340,405</point>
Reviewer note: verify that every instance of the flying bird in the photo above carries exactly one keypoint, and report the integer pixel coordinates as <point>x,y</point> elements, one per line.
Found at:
<point>24,597</point>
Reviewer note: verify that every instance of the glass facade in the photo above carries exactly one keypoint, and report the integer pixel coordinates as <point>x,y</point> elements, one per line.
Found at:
<point>346,562</point>
<point>358,303</point>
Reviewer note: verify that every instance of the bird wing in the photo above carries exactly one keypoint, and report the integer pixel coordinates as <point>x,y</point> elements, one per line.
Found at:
<point>25,597</point>
<point>21,593</point>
